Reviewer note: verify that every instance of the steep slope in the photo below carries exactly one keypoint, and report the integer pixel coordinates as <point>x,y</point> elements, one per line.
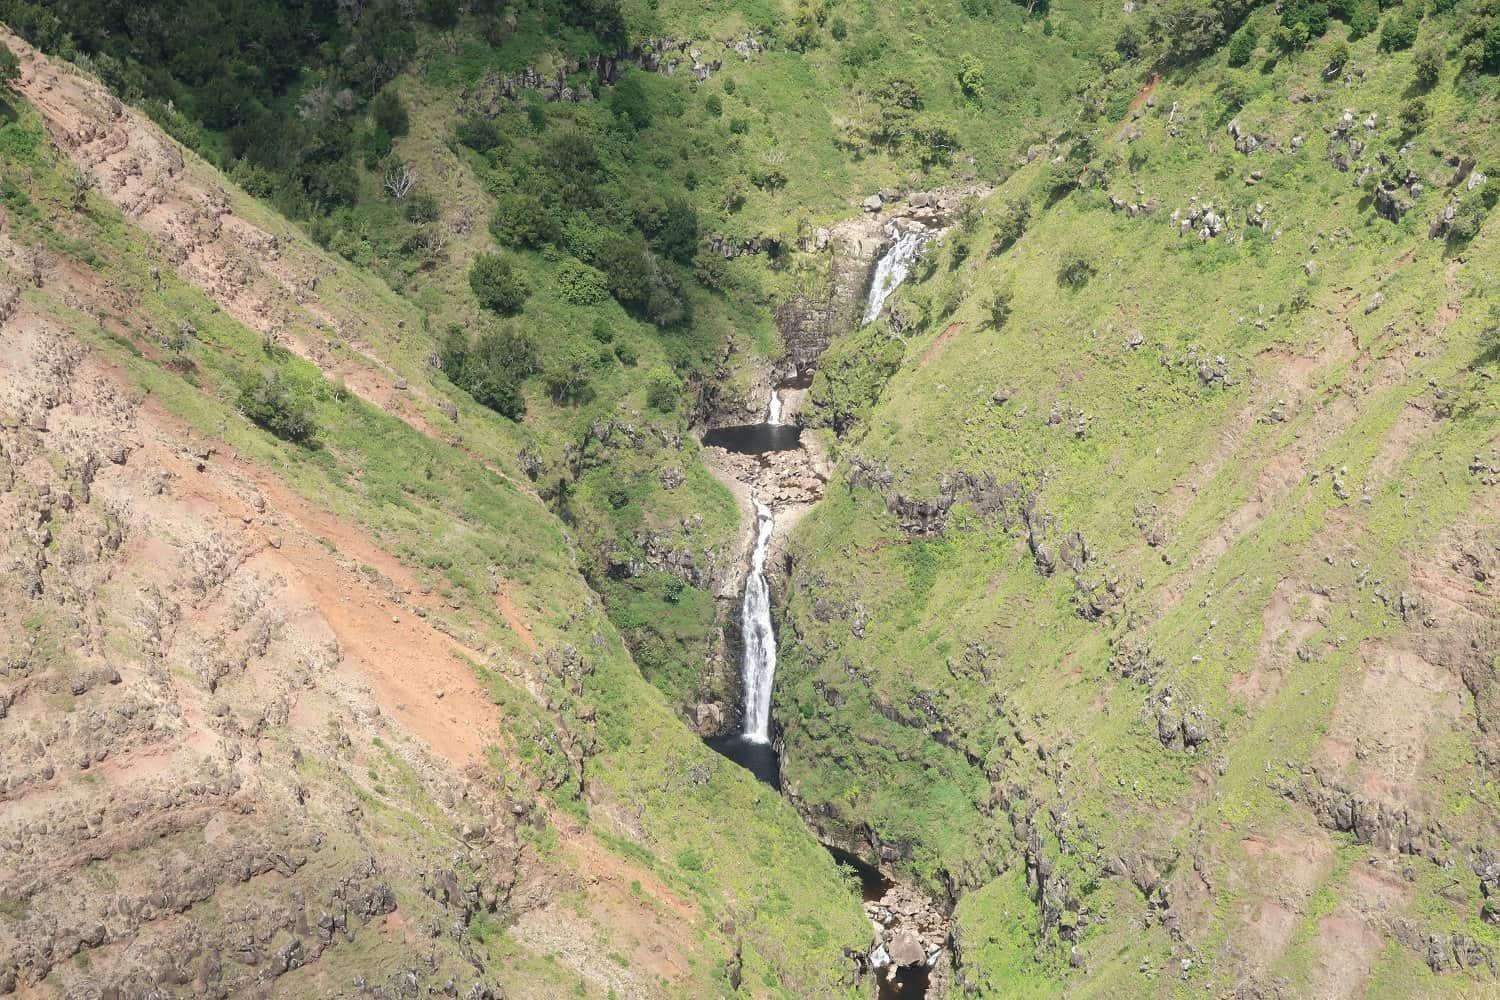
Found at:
<point>364,564</point>
<point>339,715</point>
<point>1172,661</point>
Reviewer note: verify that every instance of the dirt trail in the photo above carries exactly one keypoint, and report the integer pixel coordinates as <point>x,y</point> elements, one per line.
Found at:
<point>418,674</point>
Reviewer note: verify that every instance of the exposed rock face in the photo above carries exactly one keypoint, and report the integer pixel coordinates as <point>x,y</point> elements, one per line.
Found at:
<point>808,321</point>
<point>666,56</point>
<point>157,648</point>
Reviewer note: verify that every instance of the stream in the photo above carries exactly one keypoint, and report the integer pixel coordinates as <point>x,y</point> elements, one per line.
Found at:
<point>900,962</point>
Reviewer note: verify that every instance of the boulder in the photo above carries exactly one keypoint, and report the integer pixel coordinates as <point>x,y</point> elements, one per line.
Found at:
<point>905,948</point>
<point>872,203</point>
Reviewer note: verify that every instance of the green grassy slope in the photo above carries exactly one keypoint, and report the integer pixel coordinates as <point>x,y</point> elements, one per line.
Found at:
<point>1000,727</point>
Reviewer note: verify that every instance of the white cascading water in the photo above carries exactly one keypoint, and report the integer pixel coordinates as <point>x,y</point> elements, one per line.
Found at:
<point>773,412</point>
<point>760,640</point>
<point>893,268</point>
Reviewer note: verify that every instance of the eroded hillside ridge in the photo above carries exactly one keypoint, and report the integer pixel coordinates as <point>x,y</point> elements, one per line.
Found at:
<point>189,668</point>
<point>271,726</point>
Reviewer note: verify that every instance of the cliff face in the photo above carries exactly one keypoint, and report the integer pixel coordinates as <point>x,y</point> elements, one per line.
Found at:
<point>319,717</point>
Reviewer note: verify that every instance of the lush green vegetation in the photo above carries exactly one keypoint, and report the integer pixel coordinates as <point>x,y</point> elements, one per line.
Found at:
<point>1137,435</point>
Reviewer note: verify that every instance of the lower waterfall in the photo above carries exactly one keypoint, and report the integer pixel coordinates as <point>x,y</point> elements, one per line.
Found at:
<point>760,640</point>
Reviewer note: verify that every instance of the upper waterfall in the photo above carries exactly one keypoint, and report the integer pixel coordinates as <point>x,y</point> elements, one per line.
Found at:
<point>894,266</point>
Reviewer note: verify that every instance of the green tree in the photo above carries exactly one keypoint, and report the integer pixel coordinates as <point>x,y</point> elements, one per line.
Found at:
<point>521,220</point>
<point>270,402</point>
<point>496,284</point>
<point>1427,66</point>
<point>1414,116</point>
<point>1129,42</point>
<point>388,112</point>
<point>490,368</point>
<point>662,389</point>
<point>1075,270</point>
<point>1242,46</point>
<point>1399,31</point>
<point>567,376</point>
<point>630,102</point>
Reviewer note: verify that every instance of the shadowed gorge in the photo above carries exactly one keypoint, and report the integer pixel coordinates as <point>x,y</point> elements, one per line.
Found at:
<point>765,498</point>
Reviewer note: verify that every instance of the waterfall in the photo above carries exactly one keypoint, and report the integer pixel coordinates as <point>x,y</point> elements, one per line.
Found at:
<point>773,412</point>
<point>893,268</point>
<point>760,640</point>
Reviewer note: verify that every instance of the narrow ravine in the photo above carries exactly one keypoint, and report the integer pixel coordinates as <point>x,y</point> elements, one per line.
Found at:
<point>909,932</point>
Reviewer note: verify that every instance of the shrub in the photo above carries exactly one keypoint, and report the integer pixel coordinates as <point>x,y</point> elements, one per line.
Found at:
<point>662,390</point>
<point>491,369</point>
<point>389,113</point>
<point>1075,270</point>
<point>1242,46</point>
<point>521,220</point>
<point>1400,29</point>
<point>971,77</point>
<point>713,105</point>
<point>1414,116</point>
<point>1427,66</point>
<point>496,284</point>
<point>1472,212</point>
<point>269,401</point>
<point>479,133</point>
<point>1338,58</point>
<point>422,207</point>
<point>1010,225</point>
<point>580,284</point>
<point>10,66</point>
<point>999,308</point>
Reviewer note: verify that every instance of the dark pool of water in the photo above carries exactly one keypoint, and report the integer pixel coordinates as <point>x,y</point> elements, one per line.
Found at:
<point>909,981</point>
<point>801,380</point>
<point>755,439</point>
<point>759,759</point>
